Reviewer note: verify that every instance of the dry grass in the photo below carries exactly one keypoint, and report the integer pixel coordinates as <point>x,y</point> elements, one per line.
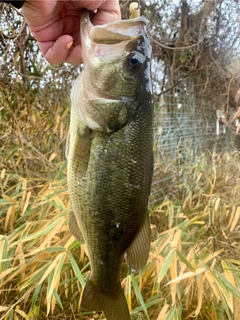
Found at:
<point>193,267</point>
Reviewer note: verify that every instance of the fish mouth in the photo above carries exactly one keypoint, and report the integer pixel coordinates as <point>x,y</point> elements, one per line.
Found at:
<point>117,32</point>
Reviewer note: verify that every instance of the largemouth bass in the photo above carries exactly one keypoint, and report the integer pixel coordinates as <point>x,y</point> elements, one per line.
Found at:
<point>110,159</point>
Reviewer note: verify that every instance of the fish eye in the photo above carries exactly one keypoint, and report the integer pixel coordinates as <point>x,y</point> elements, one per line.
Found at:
<point>134,60</point>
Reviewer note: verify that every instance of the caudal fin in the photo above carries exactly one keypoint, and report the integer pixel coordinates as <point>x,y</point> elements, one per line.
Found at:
<point>113,303</point>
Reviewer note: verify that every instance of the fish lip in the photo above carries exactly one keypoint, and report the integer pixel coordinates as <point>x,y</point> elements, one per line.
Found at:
<point>85,28</point>
<point>87,24</point>
<point>109,33</point>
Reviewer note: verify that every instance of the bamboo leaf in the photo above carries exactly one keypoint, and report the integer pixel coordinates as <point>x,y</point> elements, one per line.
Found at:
<point>226,284</point>
<point>139,296</point>
<point>185,261</point>
<point>59,302</point>
<point>163,313</point>
<point>57,273</point>
<point>76,270</point>
<point>33,312</point>
<point>148,304</point>
<point>212,284</point>
<point>35,296</point>
<point>165,266</point>
<point>187,275</point>
<point>200,295</point>
<point>171,313</point>
<point>235,219</point>
<point>128,291</point>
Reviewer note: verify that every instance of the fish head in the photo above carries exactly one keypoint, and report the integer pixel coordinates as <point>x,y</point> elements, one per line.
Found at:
<point>116,73</point>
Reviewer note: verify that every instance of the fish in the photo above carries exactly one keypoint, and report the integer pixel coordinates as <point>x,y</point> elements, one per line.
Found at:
<point>110,157</point>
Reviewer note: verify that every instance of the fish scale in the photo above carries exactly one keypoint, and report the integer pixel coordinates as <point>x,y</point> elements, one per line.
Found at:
<point>110,158</point>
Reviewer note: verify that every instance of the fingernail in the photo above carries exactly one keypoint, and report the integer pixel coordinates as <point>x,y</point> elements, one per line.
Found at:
<point>68,45</point>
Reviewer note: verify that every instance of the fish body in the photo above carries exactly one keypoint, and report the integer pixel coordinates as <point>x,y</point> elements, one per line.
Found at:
<point>110,159</point>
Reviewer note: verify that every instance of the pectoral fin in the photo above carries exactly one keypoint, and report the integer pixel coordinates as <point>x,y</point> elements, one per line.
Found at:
<point>138,252</point>
<point>79,145</point>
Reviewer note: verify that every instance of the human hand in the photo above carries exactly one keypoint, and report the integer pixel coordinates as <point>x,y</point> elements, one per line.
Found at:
<point>56,25</point>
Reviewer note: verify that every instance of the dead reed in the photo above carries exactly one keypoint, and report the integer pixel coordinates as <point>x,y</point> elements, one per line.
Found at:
<point>193,267</point>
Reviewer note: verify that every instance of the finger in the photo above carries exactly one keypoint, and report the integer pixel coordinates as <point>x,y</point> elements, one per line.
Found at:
<point>108,11</point>
<point>75,55</point>
<point>60,50</point>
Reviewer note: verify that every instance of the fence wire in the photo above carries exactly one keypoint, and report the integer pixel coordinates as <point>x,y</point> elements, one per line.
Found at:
<point>182,132</point>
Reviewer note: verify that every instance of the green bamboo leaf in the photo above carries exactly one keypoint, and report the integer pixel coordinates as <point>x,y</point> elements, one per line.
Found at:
<point>185,261</point>
<point>75,245</point>
<point>35,71</point>
<point>147,266</point>
<point>37,236</point>
<point>160,240</point>
<point>10,315</point>
<point>139,296</point>
<point>4,201</point>
<point>59,302</point>
<point>228,286</point>
<point>54,249</point>
<point>54,204</point>
<point>12,153</point>
<point>225,306</point>
<point>54,194</point>
<point>4,248</point>
<point>85,267</point>
<point>35,277</point>
<point>76,269</point>
<point>34,312</point>
<point>49,298</point>
<point>56,274</point>
<point>35,296</point>
<point>152,302</point>
<point>165,265</point>
<point>171,313</point>
<point>234,261</point>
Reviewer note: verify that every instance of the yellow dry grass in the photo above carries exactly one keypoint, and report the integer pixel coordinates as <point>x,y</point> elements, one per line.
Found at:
<point>193,266</point>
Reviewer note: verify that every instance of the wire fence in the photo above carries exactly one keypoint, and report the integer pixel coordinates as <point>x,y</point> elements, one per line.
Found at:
<point>182,133</point>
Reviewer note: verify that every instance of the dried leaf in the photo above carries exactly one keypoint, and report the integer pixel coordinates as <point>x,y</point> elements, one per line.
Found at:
<point>200,294</point>
<point>26,203</point>
<point>163,313</point>
<point>53,156</point>
<point>235,220</point>
<point>128,291</point>
<point>187,275</point>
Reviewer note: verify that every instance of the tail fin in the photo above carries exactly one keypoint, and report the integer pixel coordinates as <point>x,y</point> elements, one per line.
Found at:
<point>113,304</point>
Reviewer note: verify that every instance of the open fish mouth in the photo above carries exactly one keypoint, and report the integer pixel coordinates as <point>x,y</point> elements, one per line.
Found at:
<point>112,32</point>
<point>117,32</point>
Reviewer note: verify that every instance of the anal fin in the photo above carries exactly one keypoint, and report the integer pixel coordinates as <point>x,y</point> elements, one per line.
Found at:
<point>138,251</point>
